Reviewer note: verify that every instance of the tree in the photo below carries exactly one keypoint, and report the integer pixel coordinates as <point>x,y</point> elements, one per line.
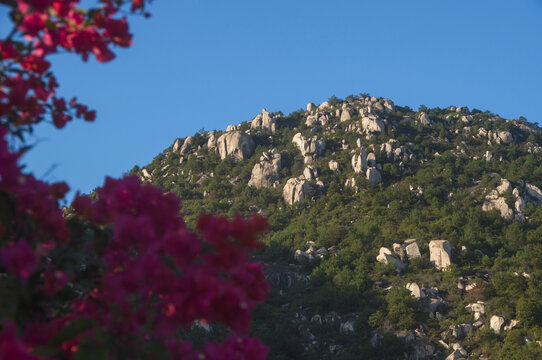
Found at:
<point>118,274</point>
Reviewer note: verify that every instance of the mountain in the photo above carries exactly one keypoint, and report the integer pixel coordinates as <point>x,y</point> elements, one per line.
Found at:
<point>394,234</point>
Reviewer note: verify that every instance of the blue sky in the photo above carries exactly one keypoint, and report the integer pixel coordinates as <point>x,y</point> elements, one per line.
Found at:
<point>209,63</point>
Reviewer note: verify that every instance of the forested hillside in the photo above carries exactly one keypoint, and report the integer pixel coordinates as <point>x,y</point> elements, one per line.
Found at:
<point>393,233</point>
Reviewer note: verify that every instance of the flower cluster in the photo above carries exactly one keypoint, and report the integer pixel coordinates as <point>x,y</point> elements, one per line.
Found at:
<point>27,87</point>
<point>160,275</point>
<point>154,278</point>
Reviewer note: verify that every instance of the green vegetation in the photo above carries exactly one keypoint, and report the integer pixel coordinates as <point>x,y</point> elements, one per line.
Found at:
<point>436,192</point>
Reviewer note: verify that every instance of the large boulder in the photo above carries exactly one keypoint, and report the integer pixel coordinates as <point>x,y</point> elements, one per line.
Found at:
<point>334,166</point>
<point>359,161</point>
<point>310,148</point>
<point>385,256</point>
<point>295,191</point>
<point>440,253</point>
<point>176,145</point>
<point>310,173</point>
<point>236,144</point>
<point>415,290</point>
<point>496,323</point>
<point>411,249</point>
<point>320,118</point>
<point>534,193</point>
<point>346,113</point>
<point>265,121</point>
<point>373,175</point>
<point>424,119</point>
<point>211,140</point>
<point>310,107</point>
<point>186,145</point>
<point>495,202</point>
<point>372,125</point>
<point>266,172</point>
<point>323,105</point>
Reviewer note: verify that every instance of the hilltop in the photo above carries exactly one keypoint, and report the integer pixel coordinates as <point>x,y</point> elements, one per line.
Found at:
<point>393,233</point>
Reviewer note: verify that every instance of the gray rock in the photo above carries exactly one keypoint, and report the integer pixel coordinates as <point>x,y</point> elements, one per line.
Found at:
<point>385,256</point>
<point>495,202</point>
<point>359,161</point>
<point>534,192</point>
<point>415,290</point>
<point>323,105</point>
<point>146,173</point>
<point>301,257</point>
<point>412,250</point>
<point>264,121</point>
<point>347,327</point>
<point>504,187</point>
<point>310,148</point>
<point>440,253</point>
<point>496,323</point>
<point>334,166</point>
<point>424,119</point>
<point>346,114</point>
<point>211,141</point>
<point>186,145</point>
<point>351,183</point>
<point>513,324</point>
<point>310,107</point>
<point>460,331</point>
<point>176,145</point>
<point>295,191</point>
<point>372,125</point>
<point>310,173</point>
<point>266,172</point>
<point>236,144</point>
<point>489,156</point>
<point>373,175</point>
<point>434,304</point>
<point>477,307</point>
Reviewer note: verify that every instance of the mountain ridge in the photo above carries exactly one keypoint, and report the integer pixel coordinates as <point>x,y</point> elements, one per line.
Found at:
<point>346,186</point>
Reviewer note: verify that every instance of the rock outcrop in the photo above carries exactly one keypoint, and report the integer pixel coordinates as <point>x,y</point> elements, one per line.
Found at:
<point>334,166</point>
<point>310,173</point>
<point>534,193</point>
<point>372,125</point>
<point>265,121</point>
<point>440,253</point>
<point>266,172</point>
<point>373,175</point>
<point>415,290</point>
<point>235,144</point>
<point>186,145</point>
<point>295,191</point>
<point>424,119</point>
<point>496,323</point>
<point>359,162</point>
<point>211,140</point>
<point>310,148</point>
<point>176,145</point>
<point>385,256</point>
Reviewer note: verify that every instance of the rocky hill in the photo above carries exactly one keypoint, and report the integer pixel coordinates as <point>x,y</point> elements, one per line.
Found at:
<point>394,234</point>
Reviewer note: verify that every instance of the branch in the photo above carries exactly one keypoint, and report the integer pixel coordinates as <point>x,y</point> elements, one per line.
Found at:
<point>10,3</point>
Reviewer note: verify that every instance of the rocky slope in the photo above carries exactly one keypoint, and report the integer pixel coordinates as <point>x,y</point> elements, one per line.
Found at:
<point>394,234</point>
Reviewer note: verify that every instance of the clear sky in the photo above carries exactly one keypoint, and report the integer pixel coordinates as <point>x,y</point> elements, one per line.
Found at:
<point>209,63</point>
